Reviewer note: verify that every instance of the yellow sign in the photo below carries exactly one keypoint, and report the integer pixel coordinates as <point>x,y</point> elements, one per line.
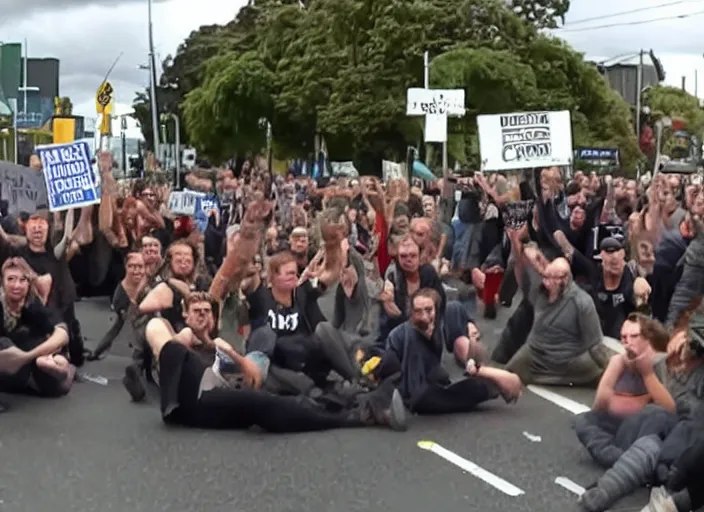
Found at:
<point>103,106</point>
<point>103,98</point>
<point>64,129</point>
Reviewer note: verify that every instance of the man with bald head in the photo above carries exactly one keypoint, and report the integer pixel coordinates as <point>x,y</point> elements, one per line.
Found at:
<point>564,346</point>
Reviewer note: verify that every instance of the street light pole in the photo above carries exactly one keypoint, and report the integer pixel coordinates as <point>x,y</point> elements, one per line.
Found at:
<point>152,83</point>
<point>639,93</point>
<point>177,122</point>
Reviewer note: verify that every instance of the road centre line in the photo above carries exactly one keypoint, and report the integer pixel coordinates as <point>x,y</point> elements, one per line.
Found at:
<point>567,403</point>
<point>472,468</point>
<point>570,485</point>
<point>559,400</point>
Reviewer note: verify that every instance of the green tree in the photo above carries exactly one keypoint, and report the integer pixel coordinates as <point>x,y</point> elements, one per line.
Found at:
<point>224,114</point>
<point>543,14</point>
<point>678,105</point>
<point>546,74</point>
<point>675,103</point>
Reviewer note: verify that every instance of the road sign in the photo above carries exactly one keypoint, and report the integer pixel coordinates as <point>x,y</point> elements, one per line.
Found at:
<point>103,98</point>
<point>103,106</point>
<point>435,105</point>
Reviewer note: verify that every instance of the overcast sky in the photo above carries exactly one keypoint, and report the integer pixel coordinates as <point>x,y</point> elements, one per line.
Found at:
<point>87,35</point>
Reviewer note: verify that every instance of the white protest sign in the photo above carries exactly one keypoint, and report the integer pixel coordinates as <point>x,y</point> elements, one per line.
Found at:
<point>69,176</point>
<point>436,105</point>
<point>185,202</point>
<point>391,171</point>
<point>525,139</point>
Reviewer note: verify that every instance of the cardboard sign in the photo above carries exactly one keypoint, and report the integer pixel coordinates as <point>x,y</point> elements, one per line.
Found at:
<point>69,176</point>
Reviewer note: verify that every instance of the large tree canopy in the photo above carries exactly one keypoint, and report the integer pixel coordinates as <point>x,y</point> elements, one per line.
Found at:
<point>679,106</point>
<point>341,68</point>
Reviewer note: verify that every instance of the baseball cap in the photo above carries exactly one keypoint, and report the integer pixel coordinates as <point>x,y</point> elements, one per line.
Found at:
<point>610,244</point>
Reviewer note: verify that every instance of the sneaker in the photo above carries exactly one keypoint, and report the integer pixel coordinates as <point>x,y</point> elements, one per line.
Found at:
<point>133,384</point>
<point>660,501</point>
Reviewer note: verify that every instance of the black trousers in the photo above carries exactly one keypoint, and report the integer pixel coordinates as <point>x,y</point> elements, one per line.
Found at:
<point>30,379</point>
<point>461,396</point>
<point>315,354</point>
<point>180,374</point>
<point>76,346</point>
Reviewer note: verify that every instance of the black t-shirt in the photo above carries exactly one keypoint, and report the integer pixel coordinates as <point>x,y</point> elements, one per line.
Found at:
<point>284,320</point>
<point>63,289</point>
<point>614,306</point>
<point>34,325</point>
<point>468,210</point>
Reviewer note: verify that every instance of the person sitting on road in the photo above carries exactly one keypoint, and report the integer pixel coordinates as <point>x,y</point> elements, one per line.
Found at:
<point>662,438</point>
<point>564,346</point>
<point>414,353</point>
<point>410,276</point>
<point>32,338</point>
<point>163,297</point>
<point>627,386</point>
<point>286,321</point>
<point>207,384</point>
<point>124,301</point>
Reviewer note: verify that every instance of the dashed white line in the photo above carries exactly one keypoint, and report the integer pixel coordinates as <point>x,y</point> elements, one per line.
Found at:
<point>571,486</point>
<point>472,468</point>
<point>559,400</point>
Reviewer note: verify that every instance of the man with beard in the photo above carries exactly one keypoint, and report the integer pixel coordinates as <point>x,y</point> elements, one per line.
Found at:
<point>564,346</point>
<point>414,351</point>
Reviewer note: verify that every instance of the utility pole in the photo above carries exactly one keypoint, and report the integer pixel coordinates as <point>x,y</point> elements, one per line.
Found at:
<point>426,85</point>
<point>696,84</point>
<point>152,82</point>
<point>639,93</point>
<point>684,83</point>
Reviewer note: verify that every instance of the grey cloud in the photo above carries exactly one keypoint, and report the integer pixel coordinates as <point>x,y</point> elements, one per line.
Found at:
<point>14,9</point>
<point>85,57</point>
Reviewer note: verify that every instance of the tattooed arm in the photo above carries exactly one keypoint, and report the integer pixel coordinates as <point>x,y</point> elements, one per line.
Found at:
<point>241,249</point>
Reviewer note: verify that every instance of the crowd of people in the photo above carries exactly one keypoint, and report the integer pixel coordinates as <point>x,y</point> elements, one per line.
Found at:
<point>294,304</point>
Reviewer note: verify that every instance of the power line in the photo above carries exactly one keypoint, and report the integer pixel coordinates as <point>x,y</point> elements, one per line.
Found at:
<point>632,11</point>
<point>631,23</point>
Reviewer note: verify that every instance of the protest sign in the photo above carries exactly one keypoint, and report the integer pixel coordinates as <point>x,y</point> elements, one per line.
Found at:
<point>69,177</point>
<point>22,187</point>
<point>184,202</point>
<point>524,140</point>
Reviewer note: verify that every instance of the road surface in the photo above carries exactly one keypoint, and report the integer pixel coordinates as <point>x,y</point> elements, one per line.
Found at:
<point>95,451</point>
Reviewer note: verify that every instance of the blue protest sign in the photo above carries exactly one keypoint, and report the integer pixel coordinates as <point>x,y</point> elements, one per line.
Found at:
<point>69,175</point>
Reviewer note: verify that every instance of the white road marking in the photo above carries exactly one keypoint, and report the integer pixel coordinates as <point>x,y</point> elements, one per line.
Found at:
<point>559,400</point>
<point>471,467</point>
<point>571,486</point>
<point>532,437</point>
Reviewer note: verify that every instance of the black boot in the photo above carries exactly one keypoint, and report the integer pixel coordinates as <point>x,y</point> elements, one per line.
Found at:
<point>76,347</point>
<point>133,383</point>
<point>383,406</point>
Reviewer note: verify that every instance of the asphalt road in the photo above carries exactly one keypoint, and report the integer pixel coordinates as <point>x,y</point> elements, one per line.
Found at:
<point>95,451</point>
